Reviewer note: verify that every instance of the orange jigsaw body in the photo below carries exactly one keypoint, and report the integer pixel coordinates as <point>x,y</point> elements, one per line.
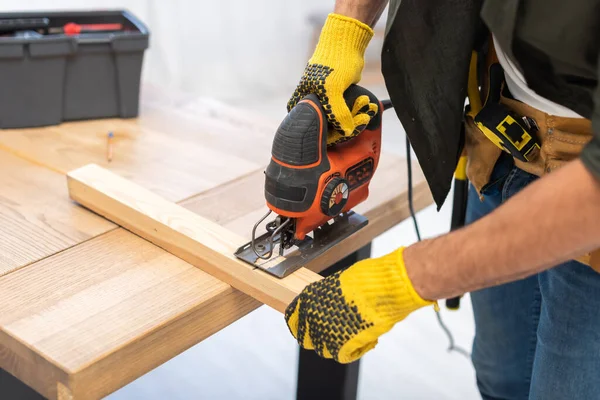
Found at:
<point>341,174</point>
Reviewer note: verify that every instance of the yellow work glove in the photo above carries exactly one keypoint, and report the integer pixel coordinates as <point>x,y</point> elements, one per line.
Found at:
<point>336,64</point>
<point>343,315</point>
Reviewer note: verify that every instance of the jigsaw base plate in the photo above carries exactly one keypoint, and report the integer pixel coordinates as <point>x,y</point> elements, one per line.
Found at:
<point>323,238</point>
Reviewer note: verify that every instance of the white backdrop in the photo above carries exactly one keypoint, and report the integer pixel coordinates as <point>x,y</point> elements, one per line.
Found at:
<point>215,48</point>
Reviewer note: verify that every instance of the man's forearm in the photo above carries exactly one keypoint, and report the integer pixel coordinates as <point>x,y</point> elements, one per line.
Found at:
<point>551,221</point>
<point>367,11</point>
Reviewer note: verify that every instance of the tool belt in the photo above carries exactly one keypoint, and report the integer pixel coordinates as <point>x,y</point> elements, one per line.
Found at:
<point>538,142</point>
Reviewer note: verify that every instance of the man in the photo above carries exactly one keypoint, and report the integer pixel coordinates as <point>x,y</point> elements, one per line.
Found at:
<point>536,308</point>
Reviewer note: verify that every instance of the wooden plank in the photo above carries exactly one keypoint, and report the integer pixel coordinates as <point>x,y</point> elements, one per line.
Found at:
<point>189,236</point>
<point>37,218</point>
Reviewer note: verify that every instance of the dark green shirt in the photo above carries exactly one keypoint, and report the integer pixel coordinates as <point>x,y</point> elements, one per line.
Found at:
<point>426,53</point>
<point>556,44</point>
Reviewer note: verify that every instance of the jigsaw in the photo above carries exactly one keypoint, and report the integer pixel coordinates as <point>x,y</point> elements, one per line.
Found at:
<point>312,187</point>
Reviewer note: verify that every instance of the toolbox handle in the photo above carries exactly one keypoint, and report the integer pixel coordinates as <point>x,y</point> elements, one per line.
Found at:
<point>38,47</point>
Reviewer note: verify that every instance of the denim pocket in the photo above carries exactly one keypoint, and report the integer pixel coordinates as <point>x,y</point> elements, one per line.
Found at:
<point>501,170</point>
<point>516,180</point>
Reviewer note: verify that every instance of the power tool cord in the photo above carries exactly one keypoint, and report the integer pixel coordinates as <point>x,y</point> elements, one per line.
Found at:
<point>410,190</point>
<point>451,344</point>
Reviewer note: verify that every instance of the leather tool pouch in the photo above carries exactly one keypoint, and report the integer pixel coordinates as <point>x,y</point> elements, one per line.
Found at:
<point>561,141</point>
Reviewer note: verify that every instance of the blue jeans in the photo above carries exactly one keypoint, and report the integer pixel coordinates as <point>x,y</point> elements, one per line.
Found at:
<point>536,338</point>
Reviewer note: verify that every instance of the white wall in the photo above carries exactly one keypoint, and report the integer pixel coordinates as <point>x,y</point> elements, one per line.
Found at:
<point>215,48</point>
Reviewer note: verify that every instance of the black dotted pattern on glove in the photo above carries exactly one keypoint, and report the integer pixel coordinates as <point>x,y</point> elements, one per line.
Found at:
<point>326,316</point>
<point>313,81</point>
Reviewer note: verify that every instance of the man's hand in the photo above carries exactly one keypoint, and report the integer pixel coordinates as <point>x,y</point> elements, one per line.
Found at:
<point>343,315</point>
<point>336,64</point>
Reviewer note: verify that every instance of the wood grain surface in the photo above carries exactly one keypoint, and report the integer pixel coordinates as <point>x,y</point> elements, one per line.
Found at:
<point>101,314</point>
<point>178,147</point>
<point>98,315</point>
<point>193,238</point>
<point>37,218</point>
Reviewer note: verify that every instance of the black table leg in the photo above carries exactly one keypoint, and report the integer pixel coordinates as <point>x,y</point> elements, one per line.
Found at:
<point>319,378</point>
<point>13,389</point>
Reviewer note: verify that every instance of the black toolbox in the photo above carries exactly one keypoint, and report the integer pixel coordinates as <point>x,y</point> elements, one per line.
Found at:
<point>50,74</point>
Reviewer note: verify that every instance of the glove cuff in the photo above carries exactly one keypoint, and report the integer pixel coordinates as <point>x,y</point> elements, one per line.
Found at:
<point>408,292</point>
<point>382,290</point>
<point>402,298</point>
<point>341,37</point>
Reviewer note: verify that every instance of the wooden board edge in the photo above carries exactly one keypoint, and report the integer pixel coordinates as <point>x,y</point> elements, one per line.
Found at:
<point>63,392</point>
<point>97,379</point>
<point>30,367</point>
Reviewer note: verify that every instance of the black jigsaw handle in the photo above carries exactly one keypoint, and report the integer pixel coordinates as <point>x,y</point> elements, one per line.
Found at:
<point>299,151</point>
<point>298,137</point>
<point>299,157</point>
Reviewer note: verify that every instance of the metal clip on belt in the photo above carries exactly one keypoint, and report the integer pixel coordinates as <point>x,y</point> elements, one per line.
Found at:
<point>514,134</point>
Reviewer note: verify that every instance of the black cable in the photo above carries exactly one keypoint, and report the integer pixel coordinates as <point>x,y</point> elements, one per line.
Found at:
<point>410,190</point>
<point>451,345</point>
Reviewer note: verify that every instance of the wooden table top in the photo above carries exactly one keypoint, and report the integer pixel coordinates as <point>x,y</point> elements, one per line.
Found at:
<point>87,306</point>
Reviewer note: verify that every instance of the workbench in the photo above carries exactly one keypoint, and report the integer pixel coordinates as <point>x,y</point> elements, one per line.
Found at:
<point>86,306</point>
